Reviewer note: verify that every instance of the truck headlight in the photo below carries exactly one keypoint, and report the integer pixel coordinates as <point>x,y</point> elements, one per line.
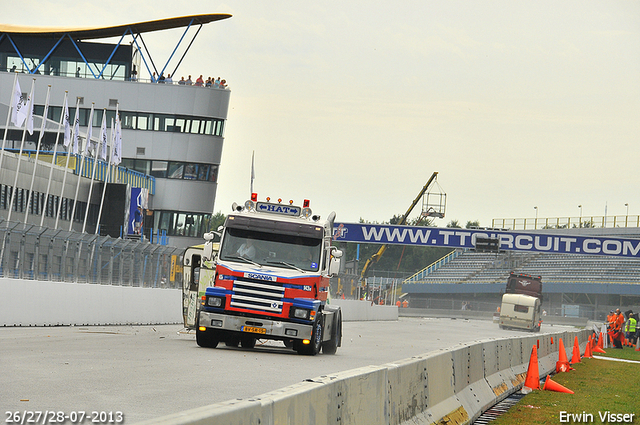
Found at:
<point>215,302</point>
<point>300,313</point>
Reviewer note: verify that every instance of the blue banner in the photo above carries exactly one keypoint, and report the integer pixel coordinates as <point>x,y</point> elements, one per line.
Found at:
<point>465,238</point>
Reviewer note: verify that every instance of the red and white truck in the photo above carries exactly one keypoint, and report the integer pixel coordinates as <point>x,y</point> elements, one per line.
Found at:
<point>269,279</point>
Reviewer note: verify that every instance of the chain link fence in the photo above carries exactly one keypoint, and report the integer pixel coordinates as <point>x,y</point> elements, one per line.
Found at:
<point>39,253</point>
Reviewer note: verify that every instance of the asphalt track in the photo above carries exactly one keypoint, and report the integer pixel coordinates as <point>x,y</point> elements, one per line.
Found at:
<point>151,371</point>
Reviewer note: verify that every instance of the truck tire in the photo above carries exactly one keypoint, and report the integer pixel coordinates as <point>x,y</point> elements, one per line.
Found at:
<point>232,342</point>
<point>331,346</point>
<point>248,342</point>
<point>207,339</point>
<point>316,340</point>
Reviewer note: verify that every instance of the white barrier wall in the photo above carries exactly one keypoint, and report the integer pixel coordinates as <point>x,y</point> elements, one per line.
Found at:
<point>42,303</point>
<point>38,303</point>
<point>447,386</point>
<point>357,310</point>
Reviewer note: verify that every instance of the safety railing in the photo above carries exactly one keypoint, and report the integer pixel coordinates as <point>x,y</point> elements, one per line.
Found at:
<point>566,222</point>
<point>433,266</point>
<point>115,174</point>
<point>40,253</point>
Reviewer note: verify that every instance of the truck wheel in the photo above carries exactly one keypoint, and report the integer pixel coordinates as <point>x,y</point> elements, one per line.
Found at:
<point>331,346</point>
<point>248,342</point>
<point>232,342</point>
<point>312,348</point>
<point>207,339</point>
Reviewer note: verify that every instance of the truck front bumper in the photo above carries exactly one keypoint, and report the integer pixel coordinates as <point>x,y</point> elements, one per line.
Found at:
<point>257,327</point>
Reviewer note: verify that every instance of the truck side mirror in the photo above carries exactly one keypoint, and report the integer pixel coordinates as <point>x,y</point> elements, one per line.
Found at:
<point>334,262</point>
<point>207,251</point>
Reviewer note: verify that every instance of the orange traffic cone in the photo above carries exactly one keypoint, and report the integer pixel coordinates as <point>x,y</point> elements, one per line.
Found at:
<point>601,341</point>
<point>550,385</point>
<point>587,350</point>
<point>533,376</point>
<point>599,350</point>
<point>562,365</point>
<point>575,358</point>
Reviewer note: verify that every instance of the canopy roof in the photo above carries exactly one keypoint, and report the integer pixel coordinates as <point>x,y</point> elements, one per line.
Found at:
<point>113,31</point>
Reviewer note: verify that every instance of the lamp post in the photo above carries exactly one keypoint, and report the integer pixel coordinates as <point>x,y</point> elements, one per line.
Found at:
<point>535,223</point>
<point>580,206</point>
<point>626,219</point>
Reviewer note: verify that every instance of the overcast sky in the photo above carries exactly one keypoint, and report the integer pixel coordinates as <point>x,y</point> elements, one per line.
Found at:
<point>353,105</point>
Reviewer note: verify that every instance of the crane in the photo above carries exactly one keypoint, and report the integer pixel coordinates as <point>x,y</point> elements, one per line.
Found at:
<point>375,257</point>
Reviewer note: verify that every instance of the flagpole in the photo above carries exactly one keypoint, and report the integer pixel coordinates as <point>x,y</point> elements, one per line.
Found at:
<point>6,127</point>
<point>63,117</point>
<point>35,164</point>
<point>84,151</point>
<point>24,135</point>
<point>106,179</point>
<point>103,130</point>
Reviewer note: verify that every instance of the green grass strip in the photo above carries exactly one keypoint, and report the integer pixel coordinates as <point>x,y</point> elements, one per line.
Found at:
<point>602,388</point>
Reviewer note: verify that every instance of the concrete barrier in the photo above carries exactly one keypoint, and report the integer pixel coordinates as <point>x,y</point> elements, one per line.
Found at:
<point>43,303</point>
<point>447,386</point>
<point>357,310</point>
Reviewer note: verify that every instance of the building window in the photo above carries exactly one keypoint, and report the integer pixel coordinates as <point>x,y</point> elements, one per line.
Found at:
<point>177,223</point>
<point>176,170</point>
<point>159,168</point>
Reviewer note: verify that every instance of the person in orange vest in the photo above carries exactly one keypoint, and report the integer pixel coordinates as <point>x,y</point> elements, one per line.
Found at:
<point>610,320</point>
<point>405,304</point>
<point>398,303</point>
<point>617,329</point>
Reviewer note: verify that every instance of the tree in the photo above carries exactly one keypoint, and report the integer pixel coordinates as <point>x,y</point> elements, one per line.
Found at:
<point>455,224</point>
<point>217,220</point>
<point>471,224</point>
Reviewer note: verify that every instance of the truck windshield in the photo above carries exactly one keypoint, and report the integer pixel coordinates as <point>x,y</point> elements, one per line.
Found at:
<point>287,251</point>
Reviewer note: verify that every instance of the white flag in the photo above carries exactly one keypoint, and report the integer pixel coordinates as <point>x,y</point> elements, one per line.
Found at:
<point>44,115</point>
<point>89,132</point>
<point>116,156</point>
<point>22,109</point>
<point>76,130</point>
<point>17,103</point>
<point>29,111</point>
<point>103,138</point>
<point>67,126</point>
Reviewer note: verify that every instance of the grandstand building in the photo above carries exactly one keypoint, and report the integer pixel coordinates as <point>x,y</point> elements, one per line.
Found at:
<point>574,285</point>
<point>172,135</point>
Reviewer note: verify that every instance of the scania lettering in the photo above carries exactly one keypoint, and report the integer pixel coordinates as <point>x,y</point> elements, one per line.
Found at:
<point>270,280</point>
<point>521,306</point>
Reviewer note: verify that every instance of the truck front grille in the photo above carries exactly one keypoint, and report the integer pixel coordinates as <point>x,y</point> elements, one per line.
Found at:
<point>257,295</point>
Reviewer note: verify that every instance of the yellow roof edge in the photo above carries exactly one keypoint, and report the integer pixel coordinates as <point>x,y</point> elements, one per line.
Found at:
<point>113,31</point>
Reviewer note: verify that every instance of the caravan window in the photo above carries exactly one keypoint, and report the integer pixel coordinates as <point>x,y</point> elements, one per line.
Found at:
<point>521,308</point>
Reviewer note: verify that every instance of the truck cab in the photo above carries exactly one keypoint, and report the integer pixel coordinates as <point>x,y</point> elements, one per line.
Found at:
<point>270,280</point>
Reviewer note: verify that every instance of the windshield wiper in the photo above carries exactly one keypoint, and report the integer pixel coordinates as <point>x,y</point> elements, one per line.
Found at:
<point>246,260</point>
<point>284,263</point>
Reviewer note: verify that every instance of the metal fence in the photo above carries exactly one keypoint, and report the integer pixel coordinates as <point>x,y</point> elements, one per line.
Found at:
<point>41,253</point>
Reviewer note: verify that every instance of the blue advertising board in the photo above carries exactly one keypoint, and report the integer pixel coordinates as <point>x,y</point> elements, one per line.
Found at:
<point>465,238</point>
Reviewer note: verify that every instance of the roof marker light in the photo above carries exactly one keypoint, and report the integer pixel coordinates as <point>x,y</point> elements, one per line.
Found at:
<point>268,198</point>
<point>254,197</point>
<point>279,200</point>
<point>305,204</point>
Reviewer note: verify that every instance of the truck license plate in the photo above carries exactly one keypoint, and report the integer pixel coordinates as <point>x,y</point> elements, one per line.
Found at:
<point>254,330</point>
